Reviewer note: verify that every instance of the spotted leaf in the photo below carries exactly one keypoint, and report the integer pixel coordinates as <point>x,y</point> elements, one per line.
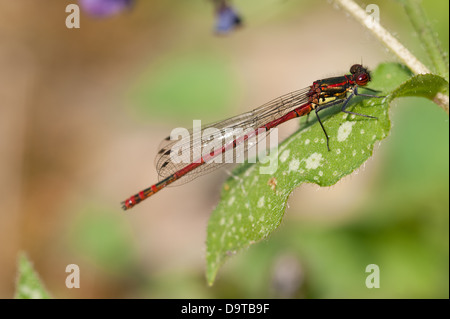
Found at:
<point>253,204</point>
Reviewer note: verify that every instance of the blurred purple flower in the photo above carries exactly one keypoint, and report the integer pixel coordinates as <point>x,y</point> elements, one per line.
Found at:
<point>227,19</point>
<point>104,8</point>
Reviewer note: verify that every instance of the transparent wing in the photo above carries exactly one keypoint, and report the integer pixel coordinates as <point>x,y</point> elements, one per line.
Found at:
<point>235,134</point>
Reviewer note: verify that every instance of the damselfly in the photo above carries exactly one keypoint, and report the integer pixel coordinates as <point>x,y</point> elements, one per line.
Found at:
<point>321,95</point>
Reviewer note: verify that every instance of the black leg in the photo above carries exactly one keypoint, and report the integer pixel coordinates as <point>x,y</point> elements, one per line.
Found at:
<point>374,91</point>
<point>348,100</point>
<point>370,95</point>
<point>354,113</point>
<point>330,104</point>
<point>355,93</point>
<point>344,106</point>
<point>323,128</point>
<point>323,107</point>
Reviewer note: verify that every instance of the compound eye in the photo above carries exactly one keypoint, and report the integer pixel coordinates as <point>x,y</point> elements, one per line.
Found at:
<point>355,68</point>
<point>362,79</point>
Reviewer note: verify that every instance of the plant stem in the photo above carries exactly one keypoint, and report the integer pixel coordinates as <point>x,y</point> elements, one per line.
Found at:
<point>392,43</point>
<point>442,100</point>
<point>427,36</point>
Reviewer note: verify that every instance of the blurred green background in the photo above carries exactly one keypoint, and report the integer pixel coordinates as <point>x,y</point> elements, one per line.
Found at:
<point>82,113</point>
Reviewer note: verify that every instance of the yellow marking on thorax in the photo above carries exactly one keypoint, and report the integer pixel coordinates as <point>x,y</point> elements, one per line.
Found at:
<point>327,99</point>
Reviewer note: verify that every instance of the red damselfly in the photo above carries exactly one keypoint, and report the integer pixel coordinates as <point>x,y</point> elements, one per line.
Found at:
<point>321,95</point>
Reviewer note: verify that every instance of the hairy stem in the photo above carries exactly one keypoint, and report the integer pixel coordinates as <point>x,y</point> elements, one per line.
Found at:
<point>422,25</point>
<point>392,43</point>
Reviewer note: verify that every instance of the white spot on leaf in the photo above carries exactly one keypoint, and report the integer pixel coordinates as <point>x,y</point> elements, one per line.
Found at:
<point>313,161</point>
<point>294,164</point>
<point>261,202</point>
<point>344,131</point>
<point>284,156</point>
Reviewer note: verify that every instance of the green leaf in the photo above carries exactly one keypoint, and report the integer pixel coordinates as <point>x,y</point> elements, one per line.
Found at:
<point>28,284</point>
<point>253,204</point>
<point>424,85</point>
<point>103,239</point>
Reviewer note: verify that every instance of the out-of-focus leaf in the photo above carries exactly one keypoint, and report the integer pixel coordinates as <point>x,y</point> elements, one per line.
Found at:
<point>182,87</point>
<point>28,284</point>
<point>103,239</point>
